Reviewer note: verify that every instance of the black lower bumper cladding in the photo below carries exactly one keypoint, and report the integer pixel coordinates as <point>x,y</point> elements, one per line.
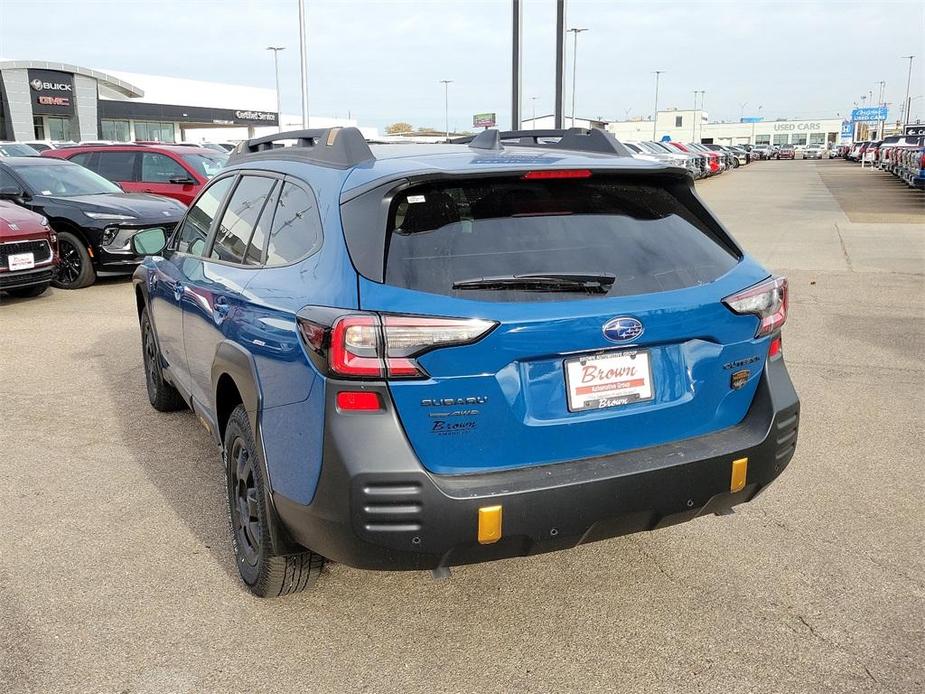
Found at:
<point>377,508</point>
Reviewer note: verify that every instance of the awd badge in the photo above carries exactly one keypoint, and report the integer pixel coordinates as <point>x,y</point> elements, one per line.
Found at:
<point>739,379</point>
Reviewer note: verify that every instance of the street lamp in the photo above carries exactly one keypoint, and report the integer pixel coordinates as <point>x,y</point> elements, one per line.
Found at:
<point>908,103</point>
<point>303,60</point>
<point>575,31</point>
<point>279,110</point>
<point>533,102</point>
<point>658,74</point>
<point>446,106</point>
<point>694,117</point>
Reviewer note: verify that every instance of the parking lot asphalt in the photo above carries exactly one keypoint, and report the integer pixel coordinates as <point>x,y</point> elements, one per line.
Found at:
<point>116,571</point>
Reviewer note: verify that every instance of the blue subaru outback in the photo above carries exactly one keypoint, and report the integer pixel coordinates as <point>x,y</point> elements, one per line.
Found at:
<point>421,356</point>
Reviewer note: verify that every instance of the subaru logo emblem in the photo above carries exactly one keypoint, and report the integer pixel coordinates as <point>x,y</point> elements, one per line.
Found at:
<point>622,329</point>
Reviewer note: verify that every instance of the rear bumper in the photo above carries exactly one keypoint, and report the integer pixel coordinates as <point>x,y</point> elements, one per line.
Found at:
<point>376,507</point>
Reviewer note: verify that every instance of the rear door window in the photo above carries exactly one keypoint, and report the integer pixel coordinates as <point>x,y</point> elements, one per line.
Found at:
<point>116,166</point>
<point>296,229</point>
<point>241,214</point>
<point>639,231</point>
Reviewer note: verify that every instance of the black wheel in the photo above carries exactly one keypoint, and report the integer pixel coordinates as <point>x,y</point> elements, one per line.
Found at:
<point>265,573</point>
<point>162,396</point>
<point>25,292</point>
<point>75,269</point>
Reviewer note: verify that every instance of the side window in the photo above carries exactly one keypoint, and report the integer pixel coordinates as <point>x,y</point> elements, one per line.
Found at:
<point>159,168</point>
<point>83,159</point>
<point>116,166</point>
<point>240,218</point>
<point>7,180</point>
<point>193,232</point>
<point>296,229</point>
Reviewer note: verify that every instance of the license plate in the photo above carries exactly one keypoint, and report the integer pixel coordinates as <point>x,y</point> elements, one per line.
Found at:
<point>608,379</point>
<point>21,261</point>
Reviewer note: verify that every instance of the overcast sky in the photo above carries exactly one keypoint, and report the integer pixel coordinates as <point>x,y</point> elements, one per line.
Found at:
<point>382,61</point>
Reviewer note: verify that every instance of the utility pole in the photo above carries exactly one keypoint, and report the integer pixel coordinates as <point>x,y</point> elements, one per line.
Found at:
<point>516,59</point>
<point>279,109</point>
<point>658,73</point>
<point>303,56</point>
<point>446,106</point>
<point>574,31</point>
<point>882,120</point>
<point>560,64</point>
<point>908,116</point>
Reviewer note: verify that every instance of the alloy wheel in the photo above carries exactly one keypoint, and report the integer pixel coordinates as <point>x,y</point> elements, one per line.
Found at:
<point>247,525</point>
<point>69,262</point>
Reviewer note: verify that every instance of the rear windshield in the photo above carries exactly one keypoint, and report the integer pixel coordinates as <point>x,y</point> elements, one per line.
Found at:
<point>640,232</point>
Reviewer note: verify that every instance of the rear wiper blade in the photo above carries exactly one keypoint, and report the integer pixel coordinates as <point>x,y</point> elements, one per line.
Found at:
<point>543,281</point>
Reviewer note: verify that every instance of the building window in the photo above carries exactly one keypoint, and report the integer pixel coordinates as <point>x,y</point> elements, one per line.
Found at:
<point>154,131</point>
<point>799,139</point>
<point>817,138</point>
<point>59,129</point>
<point>781,139</point>
<point>38,125</point>
<point>678,121</point>
<point>762,139</point>
<point>115,130</point>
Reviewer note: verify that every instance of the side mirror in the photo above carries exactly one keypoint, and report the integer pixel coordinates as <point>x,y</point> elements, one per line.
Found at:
<point>183,180</point>
<point>12,193</point>
<point>149,241</point>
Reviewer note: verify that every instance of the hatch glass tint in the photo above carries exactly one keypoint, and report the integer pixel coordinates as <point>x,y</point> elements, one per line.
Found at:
<point>446,236</point>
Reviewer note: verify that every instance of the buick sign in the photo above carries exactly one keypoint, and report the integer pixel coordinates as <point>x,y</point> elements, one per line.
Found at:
<point>40,86</point>
<point>622,329</point>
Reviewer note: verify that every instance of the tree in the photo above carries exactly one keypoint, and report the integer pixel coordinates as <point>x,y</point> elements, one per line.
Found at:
<point>399,127</point>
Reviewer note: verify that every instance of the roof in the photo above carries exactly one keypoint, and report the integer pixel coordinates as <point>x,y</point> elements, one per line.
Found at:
<point>117,86</point>
<point>35,161</point>
<point>158,89</point>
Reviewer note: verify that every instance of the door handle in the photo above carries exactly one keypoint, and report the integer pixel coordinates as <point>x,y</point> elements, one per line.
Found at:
<point>178,291</point>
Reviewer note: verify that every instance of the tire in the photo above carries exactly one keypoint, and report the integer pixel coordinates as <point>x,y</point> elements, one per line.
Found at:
<point>265,573</point>
<point>162,396</point>
<point>28,292</point>
<point>75,267</point>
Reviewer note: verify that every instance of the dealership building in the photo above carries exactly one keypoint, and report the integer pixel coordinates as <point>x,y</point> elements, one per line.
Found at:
<point>41,100</point>
<point>695,126</point>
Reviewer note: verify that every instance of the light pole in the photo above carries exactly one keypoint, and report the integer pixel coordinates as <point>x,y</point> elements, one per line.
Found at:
<point>908,103</point>
<point>694,118</point>
<point>880,104</point>
<point>446,106</point>
<point>753,127</point>
<point>533,122</point>
<point>574,31</point>
<point>303,58</point>
<point>658,73</point>
<point>742,111</point>
<point>279,109</point>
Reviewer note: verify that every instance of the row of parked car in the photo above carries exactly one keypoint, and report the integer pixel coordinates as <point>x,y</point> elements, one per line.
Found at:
<point>98,196</point>
<point>702,160</point>
<point>901,155</point>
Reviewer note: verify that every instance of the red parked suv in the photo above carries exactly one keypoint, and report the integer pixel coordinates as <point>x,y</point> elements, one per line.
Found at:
<point>28,251</point>
<point>176,171</point>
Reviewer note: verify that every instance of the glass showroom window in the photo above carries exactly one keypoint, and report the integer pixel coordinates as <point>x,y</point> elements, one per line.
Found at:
<point>817,138</point>
<point>38,125</point>
<point>781,139</point>
<point>115,130</point>
<point>762,139</point>
<point>678,121</point>
<point>155,131</point>
<point>59,129</point>
<point>799,138</point>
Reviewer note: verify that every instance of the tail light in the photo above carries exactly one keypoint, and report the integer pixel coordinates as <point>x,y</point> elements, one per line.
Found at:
<point>922,161</point>
<point>767,300</point>
<point>558,173</point>
<point>367,345</point>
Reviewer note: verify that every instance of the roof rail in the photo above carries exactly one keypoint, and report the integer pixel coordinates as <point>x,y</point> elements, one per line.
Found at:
<point>573,139</point>
<point>340,148</point>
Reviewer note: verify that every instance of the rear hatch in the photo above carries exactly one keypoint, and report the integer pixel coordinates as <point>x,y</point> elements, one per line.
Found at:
<point>604,295</point>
